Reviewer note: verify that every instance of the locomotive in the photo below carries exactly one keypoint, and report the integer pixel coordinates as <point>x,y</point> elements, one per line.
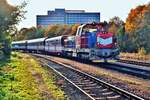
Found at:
<point>91,42</point>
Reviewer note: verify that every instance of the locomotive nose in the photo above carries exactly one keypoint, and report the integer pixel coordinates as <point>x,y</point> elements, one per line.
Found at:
<point>106,54</point>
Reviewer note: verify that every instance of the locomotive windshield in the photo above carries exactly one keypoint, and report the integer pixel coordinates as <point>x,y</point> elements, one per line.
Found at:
<point>104,41</point>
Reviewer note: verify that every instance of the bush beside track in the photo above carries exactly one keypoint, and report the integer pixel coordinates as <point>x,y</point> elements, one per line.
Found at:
<point>21,77</point>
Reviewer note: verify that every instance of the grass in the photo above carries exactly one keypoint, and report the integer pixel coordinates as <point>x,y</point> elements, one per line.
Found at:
<point>55,91</point>
<point>135,56</point>
<point>18,82</point>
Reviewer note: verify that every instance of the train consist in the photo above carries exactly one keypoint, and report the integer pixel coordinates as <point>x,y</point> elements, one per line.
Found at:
<point>92,42</point>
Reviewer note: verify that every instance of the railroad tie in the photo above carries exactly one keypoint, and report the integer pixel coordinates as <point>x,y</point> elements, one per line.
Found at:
<point>76,81</point>
<point>102,90</point>
<point>99,98</point>
<point>86,80</point>
<point>91,87</point>
<point>107,93</point>
<point>114,97</point>
<point>90,82</point>
<point>87,91</point>
<point>94,84</point>
<point>80,83</point>
<point>92,94</point>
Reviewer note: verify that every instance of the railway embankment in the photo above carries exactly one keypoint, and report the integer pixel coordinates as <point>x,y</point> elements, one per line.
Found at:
<point>23,78</point>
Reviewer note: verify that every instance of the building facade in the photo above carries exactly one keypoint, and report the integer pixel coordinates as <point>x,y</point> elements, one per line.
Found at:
<point>62,16</point>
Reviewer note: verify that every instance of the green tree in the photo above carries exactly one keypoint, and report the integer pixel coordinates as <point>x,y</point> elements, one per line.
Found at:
<point>142,38</point>
<point>121,39</point>
<point>9,17</point>
<point>40,32</point>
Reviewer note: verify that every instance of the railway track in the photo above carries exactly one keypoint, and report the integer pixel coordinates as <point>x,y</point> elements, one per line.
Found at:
<point>92,87</point>
<point>134,70</point>
<point>135,62</point>
<point>130,69</point>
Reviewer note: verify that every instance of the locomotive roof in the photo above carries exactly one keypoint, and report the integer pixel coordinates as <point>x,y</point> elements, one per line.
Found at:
<point>103,24</point>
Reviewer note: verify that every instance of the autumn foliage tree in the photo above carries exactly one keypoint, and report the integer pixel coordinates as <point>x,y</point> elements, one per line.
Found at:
<point>137,18</point>
<point>137,28</point>
<point>74,29</point>
<point>115,24</point>
<point>50,31</point>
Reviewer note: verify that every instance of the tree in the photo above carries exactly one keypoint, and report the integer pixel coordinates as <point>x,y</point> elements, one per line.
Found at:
<point>74,29</point>
<point>137,27</point>
<point>50,31</point>
<point>122,39</point>
<point>142,38</point>
<point>29,33</point>
<point>115,24</point>
<point>9,17</point>
<point>135,18</point>
<point>40,32</point>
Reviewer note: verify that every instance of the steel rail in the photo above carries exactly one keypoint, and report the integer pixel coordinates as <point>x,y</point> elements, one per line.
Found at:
<point>141,63</point>
<point>122,92</point>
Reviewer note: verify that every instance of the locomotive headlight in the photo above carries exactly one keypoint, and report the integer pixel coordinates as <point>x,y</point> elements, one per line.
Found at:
<point>105,54</point>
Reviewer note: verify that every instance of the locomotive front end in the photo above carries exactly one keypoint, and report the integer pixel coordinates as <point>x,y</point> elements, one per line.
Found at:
<point>107,49</point>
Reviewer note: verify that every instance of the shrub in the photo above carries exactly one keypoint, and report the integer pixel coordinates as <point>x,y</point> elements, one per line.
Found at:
<point>142,51</point>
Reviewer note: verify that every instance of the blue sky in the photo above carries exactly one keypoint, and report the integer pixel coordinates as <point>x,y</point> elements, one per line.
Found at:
<point>107,8</point>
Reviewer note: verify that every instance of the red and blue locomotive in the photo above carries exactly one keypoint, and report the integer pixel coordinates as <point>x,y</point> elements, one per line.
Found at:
<point>92,42</point>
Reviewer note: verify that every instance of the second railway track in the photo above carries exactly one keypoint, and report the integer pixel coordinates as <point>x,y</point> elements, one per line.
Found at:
<point>140,72</point>
<point>93,88</point>
<point>140,63</point>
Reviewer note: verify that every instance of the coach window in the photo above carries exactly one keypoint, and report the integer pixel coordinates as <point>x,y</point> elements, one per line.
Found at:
<point>57,41</point>
<point>49,43</point>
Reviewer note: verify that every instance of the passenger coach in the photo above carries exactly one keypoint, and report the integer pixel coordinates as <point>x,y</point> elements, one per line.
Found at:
<point>19,45</point>
<point>55,45</point>
<point>36,45</point>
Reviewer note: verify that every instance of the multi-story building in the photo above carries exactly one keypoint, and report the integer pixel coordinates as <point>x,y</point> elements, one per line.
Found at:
<point>62,16</point>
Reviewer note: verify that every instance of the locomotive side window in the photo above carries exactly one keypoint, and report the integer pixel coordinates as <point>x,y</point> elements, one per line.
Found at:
<point>114,39</point>
<point>78,31</point>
